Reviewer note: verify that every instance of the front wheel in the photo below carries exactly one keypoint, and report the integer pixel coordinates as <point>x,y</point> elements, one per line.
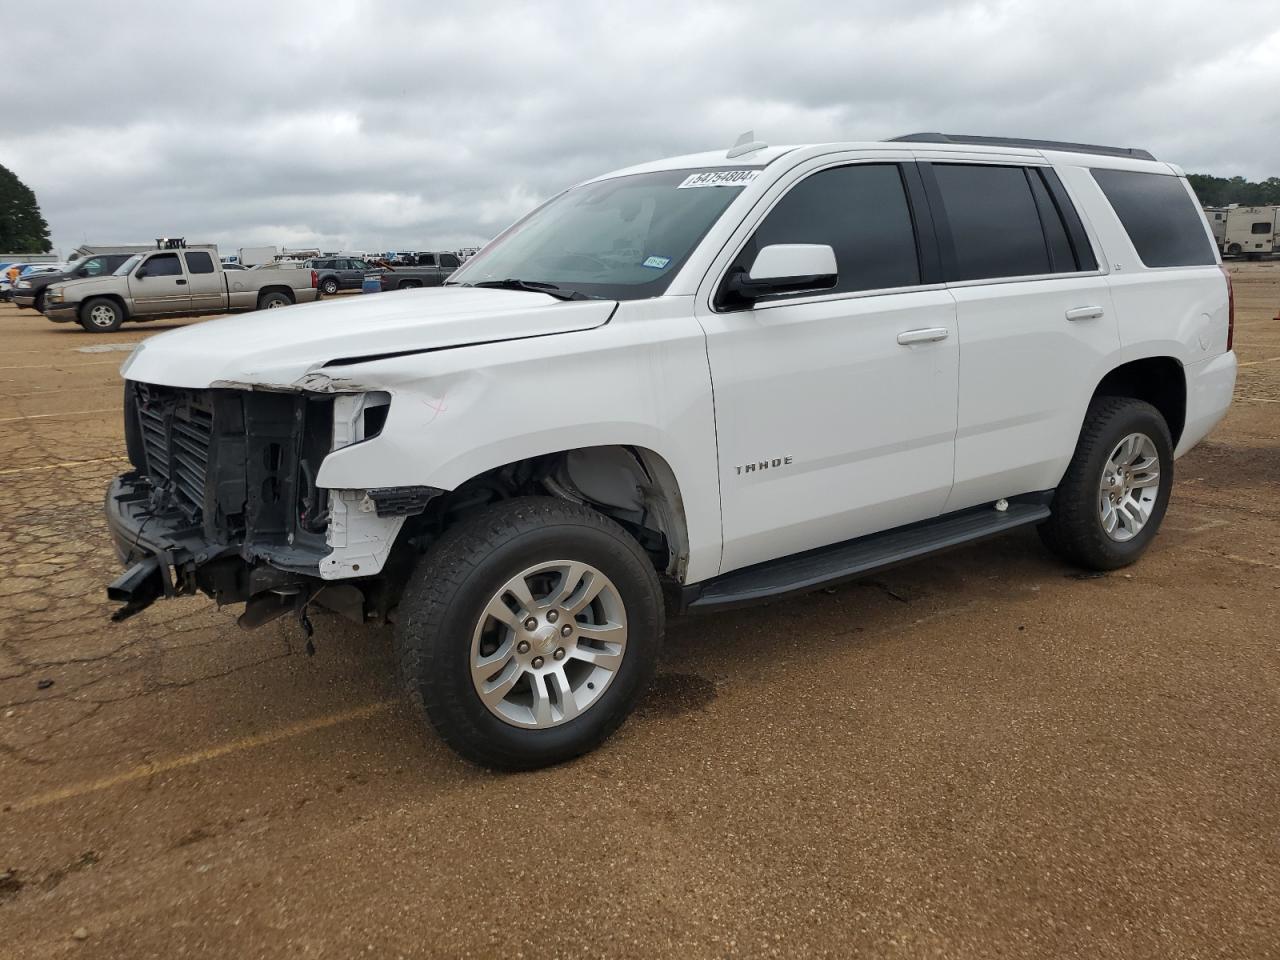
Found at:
<point>529,631</point>
<point>101,315</point>
<point>1110,503</point>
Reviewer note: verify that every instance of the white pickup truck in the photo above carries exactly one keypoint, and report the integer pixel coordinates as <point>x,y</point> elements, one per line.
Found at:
<point>173,282</point>
<point>691,384</point>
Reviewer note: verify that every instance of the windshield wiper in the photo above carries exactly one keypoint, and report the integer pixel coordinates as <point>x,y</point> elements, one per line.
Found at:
<point>533,286</point>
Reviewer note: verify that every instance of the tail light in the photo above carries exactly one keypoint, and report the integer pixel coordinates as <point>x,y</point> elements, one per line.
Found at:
<point>1231,308</point>
<point>315,279</point>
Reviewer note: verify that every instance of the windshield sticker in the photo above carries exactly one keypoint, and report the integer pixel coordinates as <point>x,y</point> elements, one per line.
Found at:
<point>720,178</point>
<point>656,263</point>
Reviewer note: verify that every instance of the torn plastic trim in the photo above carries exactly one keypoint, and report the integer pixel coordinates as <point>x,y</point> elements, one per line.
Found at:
<point>402,501</point>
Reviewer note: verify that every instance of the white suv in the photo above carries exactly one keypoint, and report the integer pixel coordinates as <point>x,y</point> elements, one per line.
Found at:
<point>722,378</point>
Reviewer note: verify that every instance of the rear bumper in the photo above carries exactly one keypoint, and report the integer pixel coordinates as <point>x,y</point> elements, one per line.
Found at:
<point>1210,386</point>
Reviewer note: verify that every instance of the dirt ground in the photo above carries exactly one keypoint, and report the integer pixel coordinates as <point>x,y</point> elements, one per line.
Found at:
<point>982,754</point>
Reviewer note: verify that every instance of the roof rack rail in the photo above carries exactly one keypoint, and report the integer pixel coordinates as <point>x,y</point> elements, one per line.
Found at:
<point>1131,152</point>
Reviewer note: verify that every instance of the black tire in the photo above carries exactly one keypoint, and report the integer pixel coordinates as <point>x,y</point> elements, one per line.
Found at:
<point>329,286</point>
<point>409,284</point>
<point>94,315</point>
<point>449,591</point>
<point>1074,530</point>
<point>39,302</point>
<point>1235,250</point>
<point>273,301</point>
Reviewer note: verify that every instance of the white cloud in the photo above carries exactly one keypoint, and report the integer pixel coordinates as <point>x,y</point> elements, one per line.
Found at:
<point>396,125</point>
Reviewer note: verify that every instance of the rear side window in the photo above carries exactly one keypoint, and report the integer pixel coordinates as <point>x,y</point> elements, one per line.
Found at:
<point>1160,217</point>
<point>448,260</point>
<point>861,212</point>
<point>1260,227</point>
<point>995,225</point>
<point>199,262</point>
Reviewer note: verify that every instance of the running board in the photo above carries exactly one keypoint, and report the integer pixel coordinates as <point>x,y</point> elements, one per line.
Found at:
<point>807,571</point>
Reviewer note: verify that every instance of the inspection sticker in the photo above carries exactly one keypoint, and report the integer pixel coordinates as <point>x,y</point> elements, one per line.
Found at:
<point>720,178</point>
<point>656,263</point>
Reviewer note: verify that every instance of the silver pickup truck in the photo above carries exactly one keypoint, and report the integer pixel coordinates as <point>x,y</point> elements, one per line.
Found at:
<point>173,282</point>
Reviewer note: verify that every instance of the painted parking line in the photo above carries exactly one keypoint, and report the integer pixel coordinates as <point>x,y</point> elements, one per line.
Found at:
<point>200,756</point>
<point>45,416</point>
<point>60,466</point>
<point>65,367</point>
<point>1254,363</point>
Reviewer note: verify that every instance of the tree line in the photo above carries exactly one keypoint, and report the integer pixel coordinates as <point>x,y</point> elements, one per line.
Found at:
<point>1222,191</point>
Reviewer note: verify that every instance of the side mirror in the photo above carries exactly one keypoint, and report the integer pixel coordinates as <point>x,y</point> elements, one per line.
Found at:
<point>82,272</point>
<point>786,268</point>
<point>140,273</point>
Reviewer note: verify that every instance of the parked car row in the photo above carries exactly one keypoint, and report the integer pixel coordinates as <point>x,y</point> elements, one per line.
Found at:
<point>110,286</point>
<point>12,275</point>
<point>349,273</point>
<point>103,291</point>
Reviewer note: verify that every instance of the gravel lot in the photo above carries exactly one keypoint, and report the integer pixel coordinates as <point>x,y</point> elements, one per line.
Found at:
<point>983,754</point>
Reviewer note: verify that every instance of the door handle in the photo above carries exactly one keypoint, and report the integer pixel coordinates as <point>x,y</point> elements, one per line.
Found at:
<point>181,282</point>
<point>1084,313</point>
<point>925,335</point>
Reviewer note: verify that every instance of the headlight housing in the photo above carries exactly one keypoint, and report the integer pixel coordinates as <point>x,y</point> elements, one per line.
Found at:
<point>24,284</point>
<point>53,296</point>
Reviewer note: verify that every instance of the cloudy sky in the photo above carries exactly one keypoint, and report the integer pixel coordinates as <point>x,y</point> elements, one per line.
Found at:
<point>414,125</point>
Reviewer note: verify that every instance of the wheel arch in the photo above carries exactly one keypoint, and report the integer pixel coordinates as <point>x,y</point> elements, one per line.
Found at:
<point>1160,381</point>
<point>634,485</point>
<point>265,292</point>
<point>115,298</point>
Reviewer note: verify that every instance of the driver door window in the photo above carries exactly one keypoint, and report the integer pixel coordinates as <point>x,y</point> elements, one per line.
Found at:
<point>861,212</point>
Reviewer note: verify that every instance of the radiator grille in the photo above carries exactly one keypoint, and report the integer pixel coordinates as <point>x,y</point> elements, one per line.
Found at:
<point>177,432</point>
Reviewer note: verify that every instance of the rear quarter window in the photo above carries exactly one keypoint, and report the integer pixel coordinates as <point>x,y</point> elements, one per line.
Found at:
<point>1162,220</point>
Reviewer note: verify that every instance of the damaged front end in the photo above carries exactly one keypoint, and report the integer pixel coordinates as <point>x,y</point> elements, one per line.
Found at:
<point>222,500</point>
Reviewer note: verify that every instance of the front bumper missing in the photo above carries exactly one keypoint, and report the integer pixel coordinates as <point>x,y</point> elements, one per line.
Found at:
<point>169,556</point>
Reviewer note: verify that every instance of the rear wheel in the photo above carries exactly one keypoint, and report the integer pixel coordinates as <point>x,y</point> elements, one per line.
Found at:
<point>329,286</point>
<point>1110,503</point>
<point>1235,249</point>
<point>409,284</point>
<point>528,632</point>
<point>273,301</point>
<point>101,315</point>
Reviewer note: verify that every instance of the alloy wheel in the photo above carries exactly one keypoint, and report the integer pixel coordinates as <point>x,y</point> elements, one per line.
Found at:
<point>1129,487</point>
<point>549,643</point>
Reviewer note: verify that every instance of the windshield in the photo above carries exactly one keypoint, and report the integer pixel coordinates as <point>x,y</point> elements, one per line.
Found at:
<point>128,265</point>
<point>622,239</point>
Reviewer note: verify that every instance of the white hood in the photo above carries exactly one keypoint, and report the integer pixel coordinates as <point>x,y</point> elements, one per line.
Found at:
<point>277,348</point>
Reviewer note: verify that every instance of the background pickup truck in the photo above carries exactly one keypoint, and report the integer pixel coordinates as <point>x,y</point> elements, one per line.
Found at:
<point>170,283</point>
<point>432,270</point>
<point>339,273</point>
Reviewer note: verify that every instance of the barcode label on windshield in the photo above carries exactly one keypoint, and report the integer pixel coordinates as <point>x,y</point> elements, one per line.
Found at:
<point>720,178</point>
